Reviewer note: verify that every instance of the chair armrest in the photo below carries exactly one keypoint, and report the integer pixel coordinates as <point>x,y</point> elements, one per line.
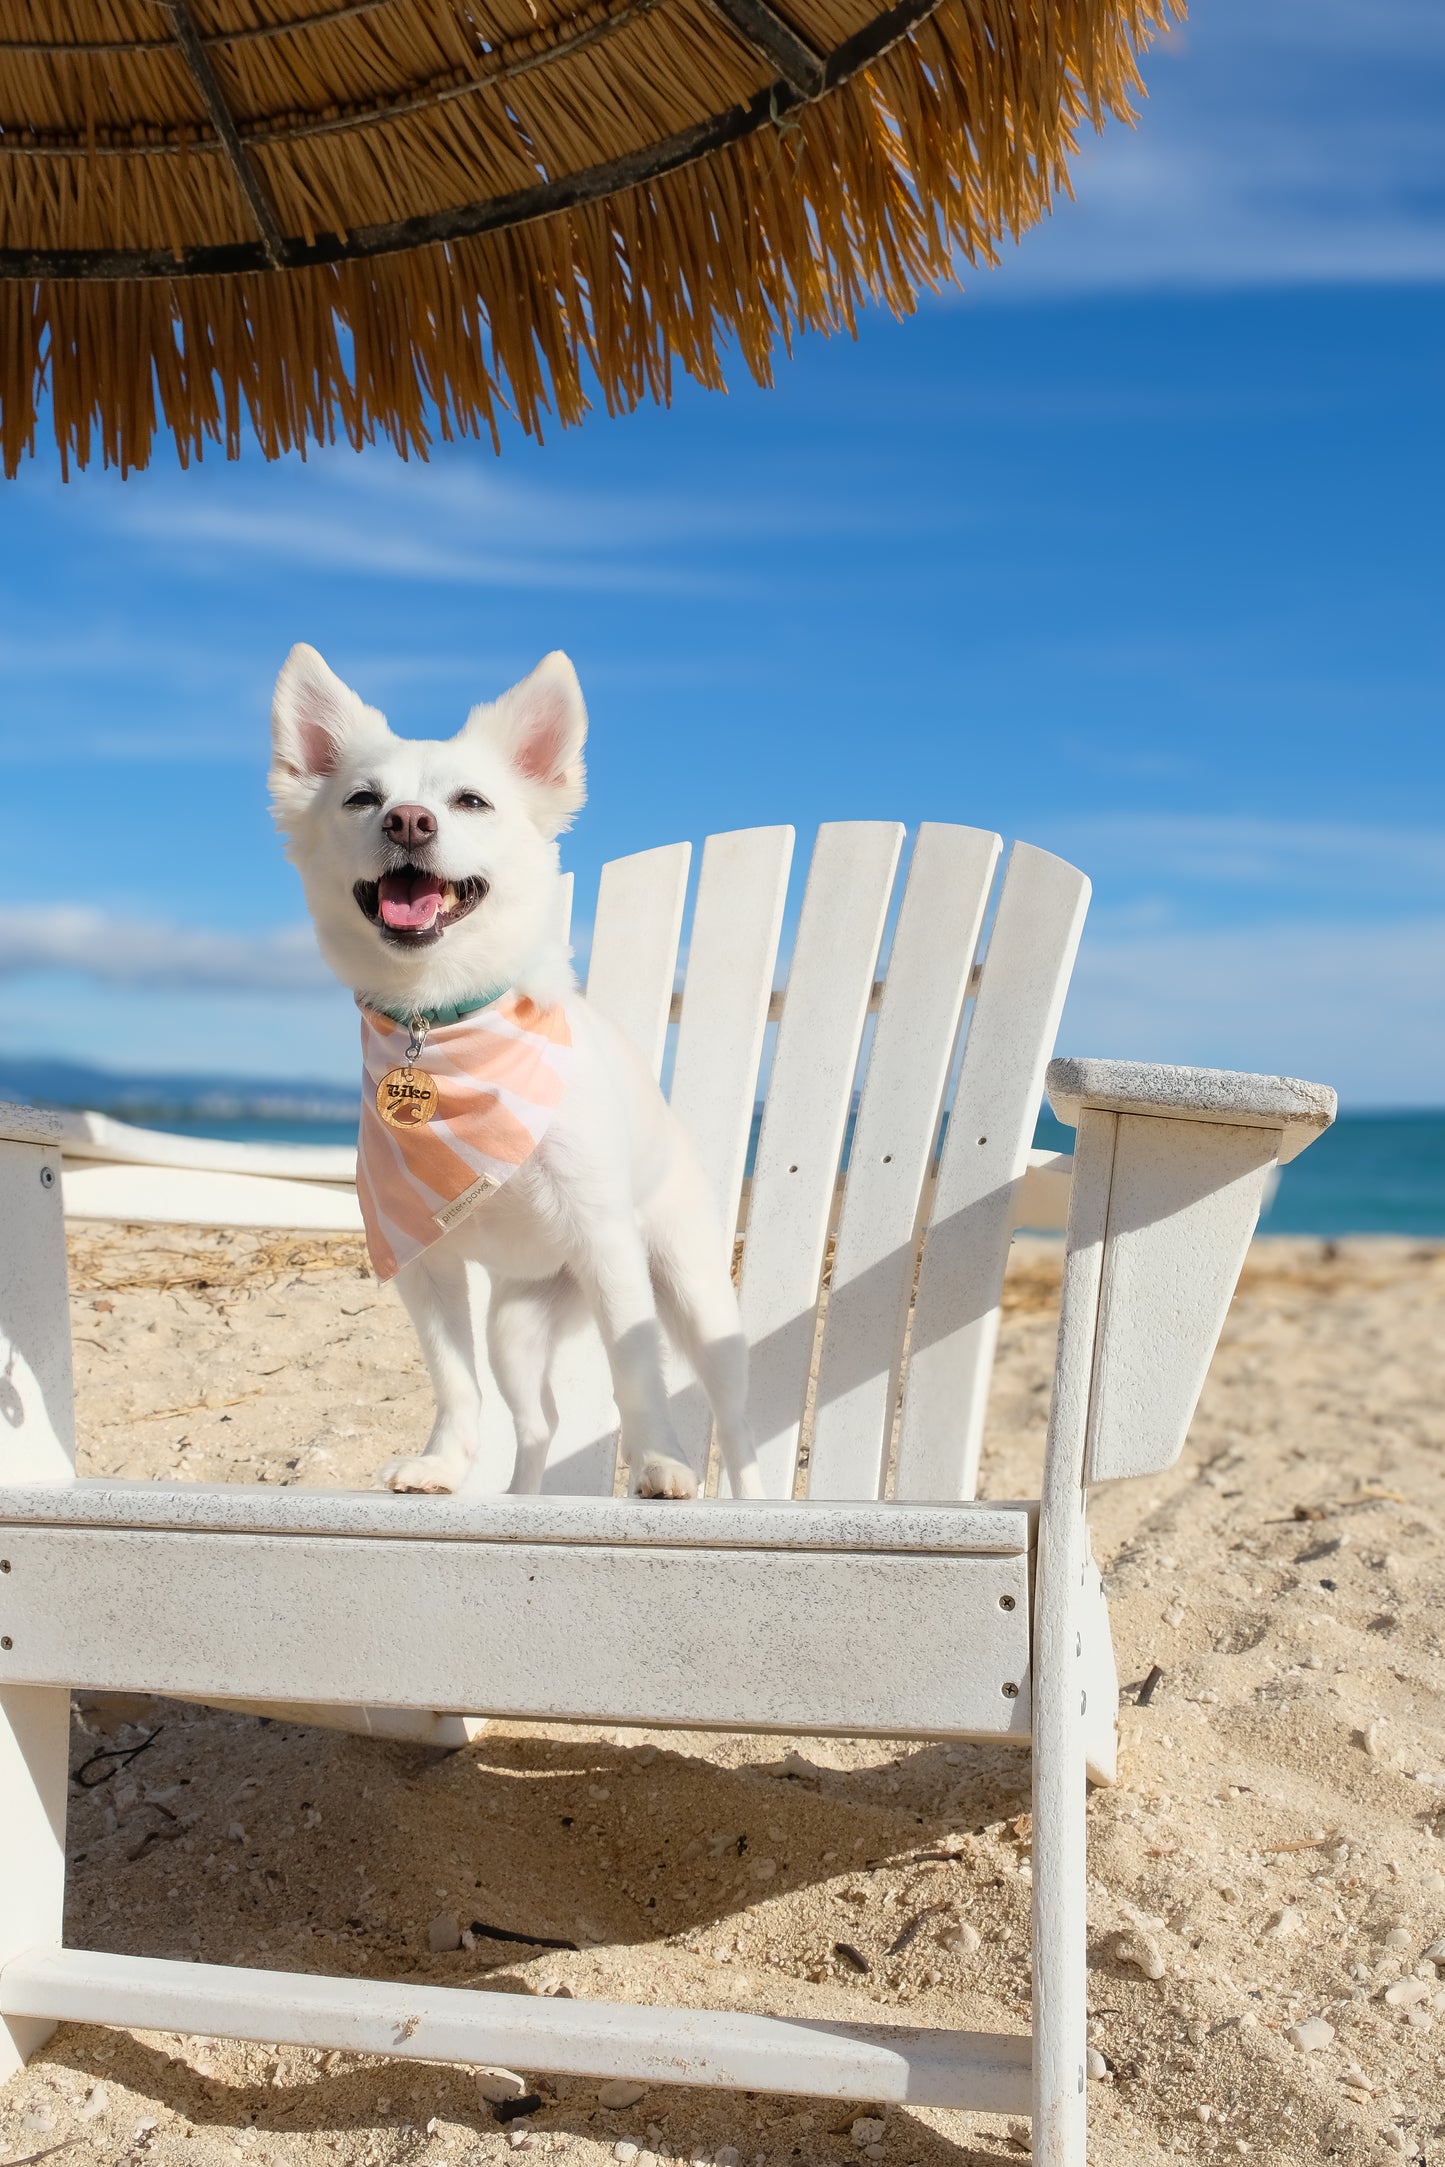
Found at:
<point>29,1124</point>
<point>1300,1111</point>
<point>1170,1169</point>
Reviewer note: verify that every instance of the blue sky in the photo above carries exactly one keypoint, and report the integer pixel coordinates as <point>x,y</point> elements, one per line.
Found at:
<point>1133,550</point>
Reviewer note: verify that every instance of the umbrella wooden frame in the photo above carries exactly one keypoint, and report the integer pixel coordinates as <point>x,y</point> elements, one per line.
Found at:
<point>806,75</point>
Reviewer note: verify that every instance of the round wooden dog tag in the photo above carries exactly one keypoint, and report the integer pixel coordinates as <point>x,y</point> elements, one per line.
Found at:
<point>406,1098</point>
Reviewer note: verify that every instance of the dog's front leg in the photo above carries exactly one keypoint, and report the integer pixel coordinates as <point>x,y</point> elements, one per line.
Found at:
<point>438,1301</point>
<point>618,1283</point>
<point>521,1327</point>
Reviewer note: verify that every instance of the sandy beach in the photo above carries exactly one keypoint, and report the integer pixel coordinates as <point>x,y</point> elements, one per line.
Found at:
<point>1266,1879</point>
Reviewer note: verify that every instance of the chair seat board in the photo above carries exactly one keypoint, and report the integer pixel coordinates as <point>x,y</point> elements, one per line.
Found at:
<point>737,921</point>
<point>875,1254</point>
<point>736,1639</point>
<point>264,1508</point>
<point>825,1006</point>
<point>985,1155</point>
<point>987,2071</point>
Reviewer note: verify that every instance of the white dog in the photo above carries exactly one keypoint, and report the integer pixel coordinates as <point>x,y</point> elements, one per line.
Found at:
<point>431,872</point>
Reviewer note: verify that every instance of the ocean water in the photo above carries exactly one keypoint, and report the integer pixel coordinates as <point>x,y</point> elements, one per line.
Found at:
<point>1370,1174</point>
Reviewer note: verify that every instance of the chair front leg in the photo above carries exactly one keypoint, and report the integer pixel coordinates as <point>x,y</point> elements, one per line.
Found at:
<point>34,1742</point>
<point>1060,1860</point>
<point>1059,1684</point>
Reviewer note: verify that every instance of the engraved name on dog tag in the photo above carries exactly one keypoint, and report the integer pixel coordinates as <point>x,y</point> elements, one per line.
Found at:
<point>406,1098</point>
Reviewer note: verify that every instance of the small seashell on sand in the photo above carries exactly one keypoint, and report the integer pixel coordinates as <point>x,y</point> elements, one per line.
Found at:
<point>1137,1948</point>
<point>496,2085</point>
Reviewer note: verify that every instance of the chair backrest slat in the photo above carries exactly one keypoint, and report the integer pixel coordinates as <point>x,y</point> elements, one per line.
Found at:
<point>1015,1018</point>
<point>633,964</point>
<point>732,954</point>
<point>825,1006</point>
<point>875,1254</point>
<point>630,976</point>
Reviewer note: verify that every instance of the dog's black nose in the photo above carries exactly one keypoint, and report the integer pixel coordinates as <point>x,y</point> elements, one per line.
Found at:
<point>407,825</point>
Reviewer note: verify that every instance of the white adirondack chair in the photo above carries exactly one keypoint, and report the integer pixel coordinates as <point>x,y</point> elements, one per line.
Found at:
<point>966,1621</point>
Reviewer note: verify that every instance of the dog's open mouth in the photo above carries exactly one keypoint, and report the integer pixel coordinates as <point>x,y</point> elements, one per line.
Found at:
<point>412,906</point>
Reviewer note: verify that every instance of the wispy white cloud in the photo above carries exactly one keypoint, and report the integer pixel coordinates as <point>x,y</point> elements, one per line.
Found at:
<point>335,539</point>
<point>152,953</point>
<point>1311,947</point>
<point>469,526</point>
<point>1359,1007</point>
<point>1283,141</point>
<point>1359,863</point>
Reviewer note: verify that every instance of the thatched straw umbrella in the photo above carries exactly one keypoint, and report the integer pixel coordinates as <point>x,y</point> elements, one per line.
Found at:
<point>404,217</point>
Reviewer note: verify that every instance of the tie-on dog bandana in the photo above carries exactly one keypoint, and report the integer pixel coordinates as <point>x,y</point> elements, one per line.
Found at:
<point>499,1076</point>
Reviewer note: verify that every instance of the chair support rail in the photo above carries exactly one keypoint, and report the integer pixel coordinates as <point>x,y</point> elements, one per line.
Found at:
<point>985,2071</point>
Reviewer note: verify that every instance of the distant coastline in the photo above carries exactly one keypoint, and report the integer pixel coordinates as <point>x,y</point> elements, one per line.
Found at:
<point>1372,1173</point>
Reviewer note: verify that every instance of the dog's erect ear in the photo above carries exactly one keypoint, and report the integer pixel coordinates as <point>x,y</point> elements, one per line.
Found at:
<point>313,719</point>
<point>541,727</point>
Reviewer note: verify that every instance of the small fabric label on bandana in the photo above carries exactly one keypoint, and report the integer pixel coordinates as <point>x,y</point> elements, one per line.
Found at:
<point>499,1075</point>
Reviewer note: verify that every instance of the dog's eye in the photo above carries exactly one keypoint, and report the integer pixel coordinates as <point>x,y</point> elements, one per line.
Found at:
<point>364,797</point>
<point>470,801</point>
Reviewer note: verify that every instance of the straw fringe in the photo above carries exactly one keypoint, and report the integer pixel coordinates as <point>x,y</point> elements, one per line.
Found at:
<point>955,140</point>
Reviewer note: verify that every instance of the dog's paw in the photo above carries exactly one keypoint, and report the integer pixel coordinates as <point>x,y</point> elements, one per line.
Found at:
<point>427,1474</point>
<point>661,1477</point>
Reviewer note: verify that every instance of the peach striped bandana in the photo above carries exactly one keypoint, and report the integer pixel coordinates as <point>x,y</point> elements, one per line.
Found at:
<point>500,1074</point>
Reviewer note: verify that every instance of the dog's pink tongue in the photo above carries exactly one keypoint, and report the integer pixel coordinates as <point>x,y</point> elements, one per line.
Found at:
<point>410,900</point>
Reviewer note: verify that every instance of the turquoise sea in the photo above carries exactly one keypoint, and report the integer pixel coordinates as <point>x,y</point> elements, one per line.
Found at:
<point>1372,1173</point>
